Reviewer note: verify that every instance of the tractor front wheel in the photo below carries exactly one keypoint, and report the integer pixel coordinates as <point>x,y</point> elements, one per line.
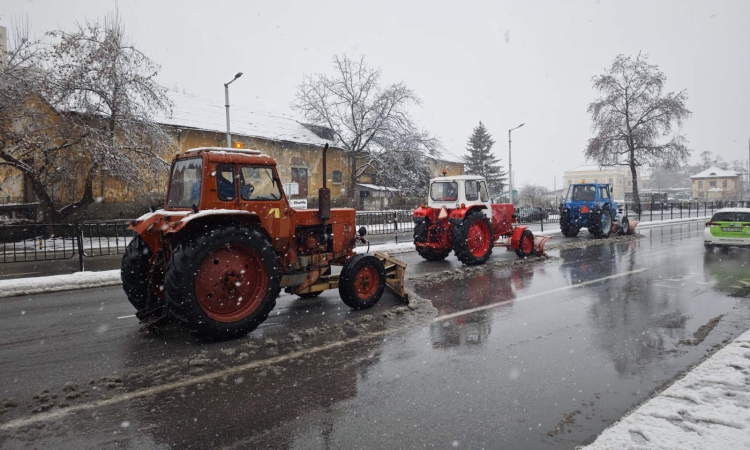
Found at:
<point>134,272</point>
<point>472,240</point>
<point>568,229</point>
<point>525,244</point>
<point>362,282</point>
<point>431,254</point>
<point>223,283</point>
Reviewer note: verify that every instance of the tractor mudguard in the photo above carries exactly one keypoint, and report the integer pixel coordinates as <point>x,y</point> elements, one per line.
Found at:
<point>460,213</point>
<point>515,238</point>
<point>424,212</point>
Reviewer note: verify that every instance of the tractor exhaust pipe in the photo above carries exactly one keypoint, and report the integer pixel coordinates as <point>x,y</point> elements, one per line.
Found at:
<point>324,194</point>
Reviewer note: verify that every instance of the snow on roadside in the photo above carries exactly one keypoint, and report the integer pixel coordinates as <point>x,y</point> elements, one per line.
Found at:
<point>55,283</point>
<point>707,409</point>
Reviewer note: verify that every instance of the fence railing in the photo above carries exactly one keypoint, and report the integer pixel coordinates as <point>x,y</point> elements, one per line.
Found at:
<point>649,211</point>
<point>385,222</point>
<point>49,242</point>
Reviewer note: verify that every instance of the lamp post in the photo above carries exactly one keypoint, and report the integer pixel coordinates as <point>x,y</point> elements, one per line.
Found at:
<point>226,103</point>
<point>510,166</point>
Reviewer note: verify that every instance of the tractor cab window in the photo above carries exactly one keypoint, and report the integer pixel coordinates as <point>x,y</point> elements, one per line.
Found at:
<point>472,191</point>
<point>483,194</point>
<point>258,183</point>
<point>582,193</point>
<point>603,193</point>
<point>185,183</point>
<point>224,182</point>
<point>444,191</point>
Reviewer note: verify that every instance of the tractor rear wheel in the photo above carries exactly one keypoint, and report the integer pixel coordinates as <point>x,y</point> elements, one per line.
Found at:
<point>431,254</point>
<point>473,240</point>
<point>568,229</point>
<point>526,244</point>
<point>362,282</point>
<point>223,283</point>
<point>600,224</point>
<point>134,272</point>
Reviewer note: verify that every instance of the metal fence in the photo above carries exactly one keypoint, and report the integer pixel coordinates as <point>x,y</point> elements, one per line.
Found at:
<point>385,222</point>
<point>649,211</point>
<point>49,242</point>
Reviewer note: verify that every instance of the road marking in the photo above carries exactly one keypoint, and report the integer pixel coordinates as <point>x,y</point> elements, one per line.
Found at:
<point>126,317</point>
<point>277,359</point>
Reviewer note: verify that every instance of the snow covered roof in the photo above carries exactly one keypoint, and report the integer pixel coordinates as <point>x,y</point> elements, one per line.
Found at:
<point>377,188</point>
<point>210,115</point>
<point>715,172</point>
<point>456,177</point>
<point>595,168</point>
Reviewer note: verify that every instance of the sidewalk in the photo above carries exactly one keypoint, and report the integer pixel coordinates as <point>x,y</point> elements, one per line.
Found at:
<point>707,409</point>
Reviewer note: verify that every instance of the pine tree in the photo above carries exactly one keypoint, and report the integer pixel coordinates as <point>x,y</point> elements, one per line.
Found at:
<point>481,161</point>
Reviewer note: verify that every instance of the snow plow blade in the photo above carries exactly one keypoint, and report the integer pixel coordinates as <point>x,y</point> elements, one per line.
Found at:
<point>394,274</point>
<point>631,226</point>
<point>539,243</point>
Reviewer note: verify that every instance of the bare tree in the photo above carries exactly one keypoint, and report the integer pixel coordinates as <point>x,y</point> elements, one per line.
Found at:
<point>533,194</point>
<point>633,119</point>
<point>402,162</point>
<point>79,107</point>
<point>367,119</point>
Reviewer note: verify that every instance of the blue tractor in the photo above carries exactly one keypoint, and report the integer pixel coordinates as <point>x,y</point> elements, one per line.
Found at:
<point>590,205</point>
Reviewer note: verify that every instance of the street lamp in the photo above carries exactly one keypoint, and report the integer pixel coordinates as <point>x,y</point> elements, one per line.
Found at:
<point>510,165</point>
<point>226,103</point>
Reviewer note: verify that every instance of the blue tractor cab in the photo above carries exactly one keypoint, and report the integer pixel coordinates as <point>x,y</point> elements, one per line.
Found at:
<point>591,206</point>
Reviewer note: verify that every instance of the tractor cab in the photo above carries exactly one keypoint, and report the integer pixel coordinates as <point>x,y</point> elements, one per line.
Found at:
<point>452,192</point>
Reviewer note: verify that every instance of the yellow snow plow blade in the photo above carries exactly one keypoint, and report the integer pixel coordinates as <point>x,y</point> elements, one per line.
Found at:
<point>394,274</point>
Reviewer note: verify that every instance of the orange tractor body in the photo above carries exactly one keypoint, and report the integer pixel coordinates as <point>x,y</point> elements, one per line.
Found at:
<point>215,258</point>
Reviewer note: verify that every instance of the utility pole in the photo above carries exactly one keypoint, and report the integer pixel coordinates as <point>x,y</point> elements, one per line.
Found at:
<point>226,103</point>
<point>510,166</point>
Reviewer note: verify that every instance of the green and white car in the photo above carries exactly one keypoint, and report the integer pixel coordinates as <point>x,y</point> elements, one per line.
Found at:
<point>729,227</point>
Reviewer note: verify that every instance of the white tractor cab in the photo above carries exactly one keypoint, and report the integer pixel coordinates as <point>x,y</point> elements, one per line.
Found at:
<point>455,191</point>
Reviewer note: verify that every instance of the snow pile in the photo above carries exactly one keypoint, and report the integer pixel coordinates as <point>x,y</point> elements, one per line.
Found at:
<point>78,280</point>
<point>708,409</point>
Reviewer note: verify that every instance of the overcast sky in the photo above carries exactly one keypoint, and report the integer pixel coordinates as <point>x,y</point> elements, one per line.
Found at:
<point>502,62</point>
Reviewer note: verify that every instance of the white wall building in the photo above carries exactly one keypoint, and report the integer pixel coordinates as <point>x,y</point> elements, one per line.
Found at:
<point>618,177</point>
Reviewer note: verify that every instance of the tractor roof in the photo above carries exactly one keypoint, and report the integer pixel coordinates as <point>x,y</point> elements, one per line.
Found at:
<point>231,155</point>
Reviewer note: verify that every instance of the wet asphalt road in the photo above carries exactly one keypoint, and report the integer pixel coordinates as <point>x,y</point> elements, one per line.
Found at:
<point>541,355</point>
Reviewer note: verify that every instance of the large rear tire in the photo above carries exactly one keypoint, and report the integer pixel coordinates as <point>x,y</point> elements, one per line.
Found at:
<point>223,283</point>
<point>134,272</point>
<point>362,282</point>
<point>600,224</point>
<point>473,240</point>
<point>568,229</point>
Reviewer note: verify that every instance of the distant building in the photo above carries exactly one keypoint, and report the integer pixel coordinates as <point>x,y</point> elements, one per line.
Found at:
<point>716,184</point>
<point>619,177</point>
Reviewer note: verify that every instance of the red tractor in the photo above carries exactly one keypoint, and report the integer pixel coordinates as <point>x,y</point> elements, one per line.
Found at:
<point>216,257</point>
<point>460,217</point>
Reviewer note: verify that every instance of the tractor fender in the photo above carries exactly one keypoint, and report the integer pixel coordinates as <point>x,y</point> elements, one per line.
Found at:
<point>515,238</point>
<point>200,218</point>
<point>460,213</point>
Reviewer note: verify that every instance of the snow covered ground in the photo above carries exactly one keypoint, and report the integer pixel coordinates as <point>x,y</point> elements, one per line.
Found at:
<point>707,409</point>
<point>78,280</point>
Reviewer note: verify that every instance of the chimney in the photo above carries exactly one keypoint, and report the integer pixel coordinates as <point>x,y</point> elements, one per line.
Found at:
<point>3,46</point>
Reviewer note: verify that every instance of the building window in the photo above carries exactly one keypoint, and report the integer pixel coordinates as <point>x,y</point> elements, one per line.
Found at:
<point>338,177</point>
<point>570,182</point>
<point>724,184</point>
<point>712,184</point>
<point>299,176</point>
<point>700,184</point>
